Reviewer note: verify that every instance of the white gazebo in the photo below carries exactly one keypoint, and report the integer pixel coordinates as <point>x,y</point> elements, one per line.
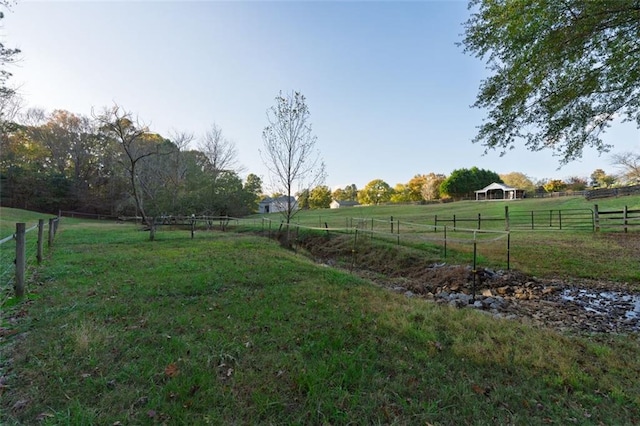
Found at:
<point>499,191</point>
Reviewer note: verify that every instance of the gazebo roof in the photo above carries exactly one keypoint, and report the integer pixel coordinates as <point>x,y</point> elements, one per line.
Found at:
<point>495,185</point>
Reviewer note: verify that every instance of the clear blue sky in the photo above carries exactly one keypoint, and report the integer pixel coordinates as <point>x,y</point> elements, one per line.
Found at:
<point>388,89</point>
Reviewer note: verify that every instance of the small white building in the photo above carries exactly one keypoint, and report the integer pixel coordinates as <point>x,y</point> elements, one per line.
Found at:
<point>278,204</point>
<point>337,204</point>
<point>499,191</point>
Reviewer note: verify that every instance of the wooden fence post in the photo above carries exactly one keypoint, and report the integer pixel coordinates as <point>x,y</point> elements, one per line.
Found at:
<point>596,218</point>
<point>20,259</point>
<point>391,222</point>
<point>479,221</point>
<point>51,232</point>
<point>625,216</point>
<point>40,239</point>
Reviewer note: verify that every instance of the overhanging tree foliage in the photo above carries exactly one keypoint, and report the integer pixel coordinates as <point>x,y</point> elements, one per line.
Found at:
<point>7,94</point>
<point>561,71</point>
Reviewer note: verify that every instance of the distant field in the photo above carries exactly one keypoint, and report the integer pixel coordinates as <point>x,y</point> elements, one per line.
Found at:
<point>463,209</point>
<point>544,252</point>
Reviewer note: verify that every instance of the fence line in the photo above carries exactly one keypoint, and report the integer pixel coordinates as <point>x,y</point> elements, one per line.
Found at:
<point>22,253</point>
<point>616,219</point>
<point>612,192</point>
<point>408,237</point>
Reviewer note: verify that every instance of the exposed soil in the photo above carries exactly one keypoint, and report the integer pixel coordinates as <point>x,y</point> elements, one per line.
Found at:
<point>575,305</point>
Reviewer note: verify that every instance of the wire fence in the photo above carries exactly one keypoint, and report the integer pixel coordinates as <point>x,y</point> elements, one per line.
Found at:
<point>438,243</point>
<point>22,251</point>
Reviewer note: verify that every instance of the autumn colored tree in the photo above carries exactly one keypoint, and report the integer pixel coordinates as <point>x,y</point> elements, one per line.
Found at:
<point>401,194</point>
<point>375,192</point>
<point>415,186</point>
<point>348,193</point>
<point>600,178</point>
<point>576,183</point>
<point>320,197</point>
<point>555,185</point>
<point>518,180</point>
<point>431,188</point>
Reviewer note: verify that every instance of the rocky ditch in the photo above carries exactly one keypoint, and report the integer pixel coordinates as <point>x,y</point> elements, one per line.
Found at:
<point>567,306</point>
<point>572,305</point>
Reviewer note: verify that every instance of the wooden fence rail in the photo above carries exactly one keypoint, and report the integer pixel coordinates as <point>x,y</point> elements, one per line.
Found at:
<point>21,259</point>
<point>616,219</point>
<point>561,219</point>
<point>612,192</point>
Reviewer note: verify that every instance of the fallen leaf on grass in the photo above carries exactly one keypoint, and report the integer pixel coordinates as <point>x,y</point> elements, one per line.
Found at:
<point>19,405</point>
<point>42,416</point>
<point>140,402</point>
<point>480,390</point>
<point>171,370</point>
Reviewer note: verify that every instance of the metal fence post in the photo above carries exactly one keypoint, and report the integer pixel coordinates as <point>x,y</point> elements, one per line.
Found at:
<point>506,217</point>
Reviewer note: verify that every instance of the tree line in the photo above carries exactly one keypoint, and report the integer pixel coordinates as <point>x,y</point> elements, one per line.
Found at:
<point>462,184</point>
<point>112,164</point>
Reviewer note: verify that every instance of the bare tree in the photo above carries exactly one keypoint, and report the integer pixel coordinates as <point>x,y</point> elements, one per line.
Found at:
<point>10,105</point>
<point>629,165</point>
<point>177,170</point>
<point>289,152</point>
<point>220,151</point>
<point>138,144</point>
<point>221,161</point>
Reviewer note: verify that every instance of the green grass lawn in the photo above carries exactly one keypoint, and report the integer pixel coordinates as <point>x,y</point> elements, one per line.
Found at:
<point>233,329</point>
